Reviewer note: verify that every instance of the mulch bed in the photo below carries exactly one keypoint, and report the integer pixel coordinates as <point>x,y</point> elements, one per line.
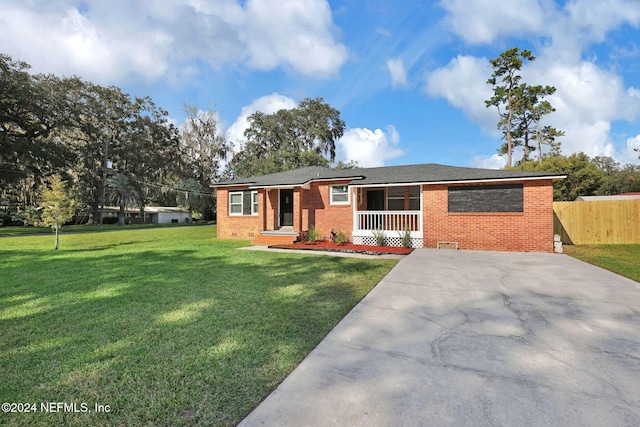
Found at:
<point>329,246</point>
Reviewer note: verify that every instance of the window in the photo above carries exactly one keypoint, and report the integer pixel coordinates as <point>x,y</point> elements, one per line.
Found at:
<point>254,203</point>
<point>396,198</point>
<point>235,203</point>
<point>243,203</point>
<point>486,198</point>
<point>339,194</point>
<point>414,198</point>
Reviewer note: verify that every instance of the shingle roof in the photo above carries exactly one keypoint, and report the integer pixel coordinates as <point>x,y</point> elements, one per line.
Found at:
<point>424,173</point>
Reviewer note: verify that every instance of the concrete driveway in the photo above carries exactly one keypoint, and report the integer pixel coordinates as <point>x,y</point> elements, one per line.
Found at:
<point>470,338</point>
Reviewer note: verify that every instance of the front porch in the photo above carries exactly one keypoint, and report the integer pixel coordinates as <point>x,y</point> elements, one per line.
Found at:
<point>392,224</point>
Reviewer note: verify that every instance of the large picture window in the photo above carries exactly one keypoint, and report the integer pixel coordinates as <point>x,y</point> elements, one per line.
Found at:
<point>486,198</point>
<point>243,202</point>
<point>339,194</point>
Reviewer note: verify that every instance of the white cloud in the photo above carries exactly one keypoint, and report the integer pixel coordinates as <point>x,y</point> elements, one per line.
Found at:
<point>484,21</point>
<point>295,34</point>
<point>268,104</point>
<point>398,73</point>
<point>629,153</point>
<point>496,161</point>
<point>112,41</point>
<point>369,148</point>
<point>589,98</point>
<point>462,83</point>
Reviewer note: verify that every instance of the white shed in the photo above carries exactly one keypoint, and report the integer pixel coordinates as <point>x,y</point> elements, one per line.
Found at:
<point>167,215</point>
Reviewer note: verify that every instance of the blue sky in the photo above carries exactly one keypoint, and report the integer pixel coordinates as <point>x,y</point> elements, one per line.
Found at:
<point>409,77</point>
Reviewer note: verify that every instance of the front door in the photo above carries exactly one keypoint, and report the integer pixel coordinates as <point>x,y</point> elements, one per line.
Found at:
<point>375,200</point>
<point>286,208</point>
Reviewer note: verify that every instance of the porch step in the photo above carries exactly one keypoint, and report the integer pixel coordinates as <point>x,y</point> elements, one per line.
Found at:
<point>268,239</point>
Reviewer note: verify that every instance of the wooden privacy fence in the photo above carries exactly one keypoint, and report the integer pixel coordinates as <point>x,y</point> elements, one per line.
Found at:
<point>601,222</point>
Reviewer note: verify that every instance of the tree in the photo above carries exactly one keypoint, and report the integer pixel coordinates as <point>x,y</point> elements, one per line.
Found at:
<point>58,206</point>
<point>584,177</point>
<point>131,132</point>
<point>202,146</point>
<point>122,192</point>
<point>32,108</point>
<point>520,106</point>
<point>529,109</point>
<point>289,139</point>
<point>617,178</point>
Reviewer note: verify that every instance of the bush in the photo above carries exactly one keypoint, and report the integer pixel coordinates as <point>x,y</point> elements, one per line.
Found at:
<point>405,237</point>
<point>379,236</point>
<point>339,237</point>
<point>313,234</point>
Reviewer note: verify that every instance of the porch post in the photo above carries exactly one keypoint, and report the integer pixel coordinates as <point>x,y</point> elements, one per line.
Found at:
<point>297,209</point>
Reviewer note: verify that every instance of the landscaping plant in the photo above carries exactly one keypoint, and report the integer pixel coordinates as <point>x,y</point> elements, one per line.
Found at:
<point>313,234</point>
<point>405,237</point>
<point>378,234</point>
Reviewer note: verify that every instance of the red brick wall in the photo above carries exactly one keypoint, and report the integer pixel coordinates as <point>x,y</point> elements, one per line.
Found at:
<point>530,230</point>
<point>318,211</point>
<point>238,226</point>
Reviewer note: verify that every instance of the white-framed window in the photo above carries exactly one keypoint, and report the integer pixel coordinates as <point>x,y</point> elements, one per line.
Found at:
<point>243,203</point>
<point>339,194</point>
<point>235,203</point>
<point>254,203</point>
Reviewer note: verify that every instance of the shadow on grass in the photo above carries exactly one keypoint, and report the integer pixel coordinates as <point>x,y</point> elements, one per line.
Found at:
<point>165,336</point>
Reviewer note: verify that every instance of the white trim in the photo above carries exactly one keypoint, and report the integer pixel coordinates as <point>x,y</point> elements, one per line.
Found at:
<point>241,203</point>
<point>280,225</point>
<point>268,187</point>
<point>347,192</point>
<point>241,192</point>
<point>348,178</point>
<point>470,181</point>
<point>255,204</point>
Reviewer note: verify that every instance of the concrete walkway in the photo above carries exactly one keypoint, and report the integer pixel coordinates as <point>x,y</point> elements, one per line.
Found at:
<point>470,338</point>
<point>306,252</point>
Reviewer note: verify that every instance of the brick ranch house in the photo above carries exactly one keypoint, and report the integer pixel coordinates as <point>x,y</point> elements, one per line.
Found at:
<point>481,209</point>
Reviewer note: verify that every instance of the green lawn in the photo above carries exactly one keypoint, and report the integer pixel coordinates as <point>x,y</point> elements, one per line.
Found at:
<point>83,228</point>
<point>621,259</point>
<point>166,326</point>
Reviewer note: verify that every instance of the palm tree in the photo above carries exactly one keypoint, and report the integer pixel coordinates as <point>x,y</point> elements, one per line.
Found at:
<point>122,192</point>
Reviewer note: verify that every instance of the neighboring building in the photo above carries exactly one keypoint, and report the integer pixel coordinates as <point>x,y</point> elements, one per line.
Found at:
<point>152,214</point>
<point>481,209</point>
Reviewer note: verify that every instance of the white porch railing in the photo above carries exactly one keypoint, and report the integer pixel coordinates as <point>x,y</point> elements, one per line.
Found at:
<point>388,220</point>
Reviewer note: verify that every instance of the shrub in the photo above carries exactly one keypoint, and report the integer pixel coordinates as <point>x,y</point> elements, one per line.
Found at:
<point>313,234</point>
<point>378,234</point>
<point>339,237</point>
<point>405,237</point>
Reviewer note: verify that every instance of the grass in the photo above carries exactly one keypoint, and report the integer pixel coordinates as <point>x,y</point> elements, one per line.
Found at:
<point>84,228</point>
<point>621,259</point>
<point>168,327</point>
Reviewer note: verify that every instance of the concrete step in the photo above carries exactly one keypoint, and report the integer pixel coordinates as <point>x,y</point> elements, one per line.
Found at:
<point>273,239</point>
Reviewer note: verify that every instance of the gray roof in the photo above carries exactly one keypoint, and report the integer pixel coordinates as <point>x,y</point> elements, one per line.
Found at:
<point>388,175</point>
